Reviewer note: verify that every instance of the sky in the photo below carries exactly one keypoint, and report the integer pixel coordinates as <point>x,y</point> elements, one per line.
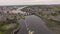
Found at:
<point>28,2</point>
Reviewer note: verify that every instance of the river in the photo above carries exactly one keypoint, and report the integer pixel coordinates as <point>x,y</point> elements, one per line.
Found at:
<point>33,24</point>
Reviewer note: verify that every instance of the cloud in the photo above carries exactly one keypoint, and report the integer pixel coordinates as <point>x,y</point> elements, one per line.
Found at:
<point>27,2</point>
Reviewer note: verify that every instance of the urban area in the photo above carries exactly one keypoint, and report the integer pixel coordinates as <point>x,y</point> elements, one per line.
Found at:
<point>30,19</point>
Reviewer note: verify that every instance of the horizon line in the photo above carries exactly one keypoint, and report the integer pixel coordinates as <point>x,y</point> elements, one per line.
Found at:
<point>28,4</point>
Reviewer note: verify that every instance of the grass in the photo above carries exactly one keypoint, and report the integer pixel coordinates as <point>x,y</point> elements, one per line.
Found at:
<point>1,32</point>
<point>54,26</point>
<point>53,14</point>
<point>4,27</point>
<point>5,32</point>
<point>22,17</point>
<point>53,23</point>
<point>57,8</point>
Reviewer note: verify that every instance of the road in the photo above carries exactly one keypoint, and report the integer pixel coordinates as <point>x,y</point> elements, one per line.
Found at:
<point>35,24</point>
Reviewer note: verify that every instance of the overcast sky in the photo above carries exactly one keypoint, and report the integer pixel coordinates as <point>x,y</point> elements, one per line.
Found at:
<point>28,2</point>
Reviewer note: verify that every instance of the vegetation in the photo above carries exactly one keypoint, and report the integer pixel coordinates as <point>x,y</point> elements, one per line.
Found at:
<point>57,8</point>
<point>1,32</point>
<point>53,14</point>
<point>6,27</point>
<point>22,17</point>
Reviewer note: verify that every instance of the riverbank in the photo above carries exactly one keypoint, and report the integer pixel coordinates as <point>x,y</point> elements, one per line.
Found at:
<point>15,30</point>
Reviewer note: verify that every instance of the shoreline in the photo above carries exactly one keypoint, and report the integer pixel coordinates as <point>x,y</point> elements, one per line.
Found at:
<point>13,32</point>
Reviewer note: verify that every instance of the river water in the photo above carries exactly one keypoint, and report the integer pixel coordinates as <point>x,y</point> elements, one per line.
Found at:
<point>33,24</point>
